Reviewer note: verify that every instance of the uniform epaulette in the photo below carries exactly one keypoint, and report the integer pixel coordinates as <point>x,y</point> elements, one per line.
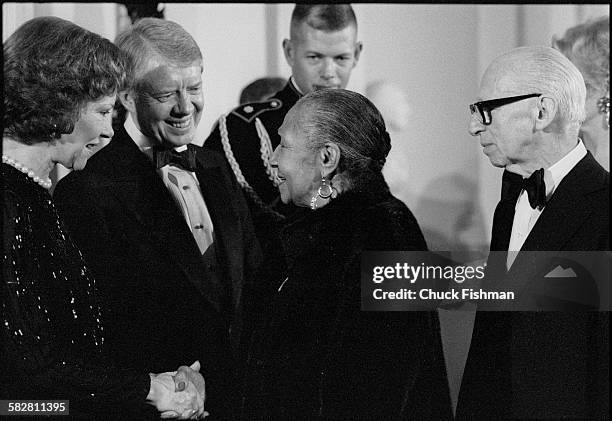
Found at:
<point>248,112</point>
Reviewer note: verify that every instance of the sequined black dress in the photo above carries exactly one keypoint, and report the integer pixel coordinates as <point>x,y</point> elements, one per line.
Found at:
<point>52,336</point>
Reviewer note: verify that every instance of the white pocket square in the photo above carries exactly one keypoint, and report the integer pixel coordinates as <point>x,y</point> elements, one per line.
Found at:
<point>559,272</point>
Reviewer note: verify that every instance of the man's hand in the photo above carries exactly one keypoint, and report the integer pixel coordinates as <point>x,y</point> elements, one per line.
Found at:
<point>185,404</point>
<point>191,374</point>
<point>186,376</point>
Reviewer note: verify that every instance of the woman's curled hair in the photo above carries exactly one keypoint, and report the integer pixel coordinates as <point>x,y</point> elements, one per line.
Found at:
<point>52,68</point>
<point>588,45</point>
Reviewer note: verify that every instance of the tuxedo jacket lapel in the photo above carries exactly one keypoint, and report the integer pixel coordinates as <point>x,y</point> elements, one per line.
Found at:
<point>564,213</point>
<point>500,239</point>
<point>502,220</point>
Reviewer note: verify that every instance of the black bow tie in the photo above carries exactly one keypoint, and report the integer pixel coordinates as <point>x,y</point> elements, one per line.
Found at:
<point>513,184</point>
<point>185,159</point>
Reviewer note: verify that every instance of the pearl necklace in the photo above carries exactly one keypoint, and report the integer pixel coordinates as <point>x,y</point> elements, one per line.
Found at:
<point>30,173</point>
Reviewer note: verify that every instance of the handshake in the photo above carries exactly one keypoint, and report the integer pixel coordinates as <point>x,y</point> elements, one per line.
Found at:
<point>179,394</point>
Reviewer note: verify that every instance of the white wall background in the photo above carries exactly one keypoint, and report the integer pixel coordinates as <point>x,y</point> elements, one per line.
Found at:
<point>435,53</point>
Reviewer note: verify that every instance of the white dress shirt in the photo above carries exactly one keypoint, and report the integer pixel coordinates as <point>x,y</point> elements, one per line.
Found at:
<point>183,186</point>
<point>525,216</point>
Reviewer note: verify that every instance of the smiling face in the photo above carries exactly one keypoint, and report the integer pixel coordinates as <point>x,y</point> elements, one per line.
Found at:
<point>508,140</point>
<point>91,132</point>
<point>297,165</point>
<point>167,103</point>
<point>321,59</point>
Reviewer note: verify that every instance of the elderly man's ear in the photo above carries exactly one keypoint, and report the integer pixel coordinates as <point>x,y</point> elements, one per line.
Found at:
<point>329,157</point>
<point>547,111</point>
<point>127,100</point>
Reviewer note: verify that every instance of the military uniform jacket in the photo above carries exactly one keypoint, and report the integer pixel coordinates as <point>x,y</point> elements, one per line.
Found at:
<point>245,136</point>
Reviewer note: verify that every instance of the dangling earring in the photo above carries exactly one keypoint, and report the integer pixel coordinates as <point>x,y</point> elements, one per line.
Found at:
<point>324,192</point>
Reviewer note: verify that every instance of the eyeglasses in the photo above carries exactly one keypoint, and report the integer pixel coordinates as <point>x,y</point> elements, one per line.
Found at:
<point>483,108</point>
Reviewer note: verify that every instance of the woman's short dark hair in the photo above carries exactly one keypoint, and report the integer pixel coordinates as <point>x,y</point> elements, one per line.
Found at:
<point>52,68</point>
<point>352,122</point>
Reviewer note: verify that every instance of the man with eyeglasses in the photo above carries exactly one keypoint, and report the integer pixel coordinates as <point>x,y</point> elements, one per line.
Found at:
<point>555,198</point>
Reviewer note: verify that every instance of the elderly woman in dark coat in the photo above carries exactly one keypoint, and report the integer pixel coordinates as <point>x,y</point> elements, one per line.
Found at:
<point>318,356</point>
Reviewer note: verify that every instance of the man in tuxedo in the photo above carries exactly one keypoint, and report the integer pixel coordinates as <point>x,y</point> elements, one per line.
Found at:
<point>555,198</point>
<point>162,223</point>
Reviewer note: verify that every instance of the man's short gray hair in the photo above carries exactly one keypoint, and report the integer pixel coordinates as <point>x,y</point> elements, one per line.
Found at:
<point>544,70</point>
<point>151,38</point>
